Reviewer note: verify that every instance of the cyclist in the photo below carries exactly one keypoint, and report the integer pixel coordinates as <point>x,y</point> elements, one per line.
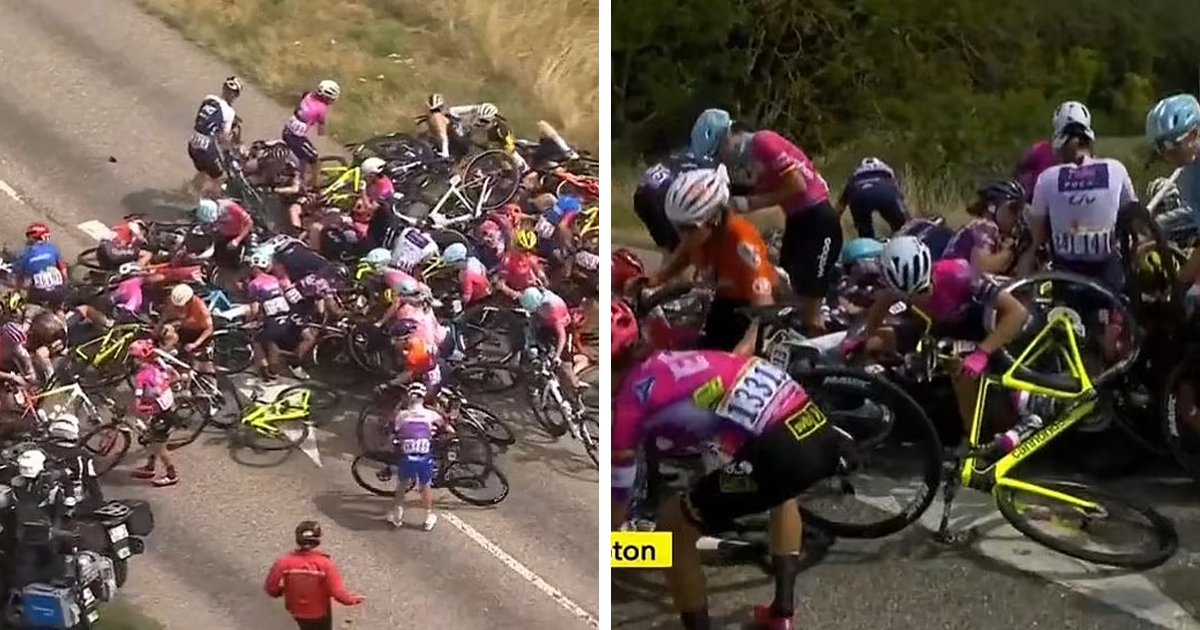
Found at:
<point>1171,129</point>
<point>272,165</point>
<point>312,275</point>
<point>378,194</point>
<point>953,295</point>
<point>413,249</point>
<point>128,298</point>
<point>153,398</point>
<point>773,440</point>
<point>1045,153</point>
<point>472,275</point>
<point>553,227</point>
<point>932,231</point>
<point>16,364</point>
<point>872,188</point>
<point>40,268</point>
<point>650,198</point>
<point>311,112</point>
<point>717,239</point>
<point>414,426</point>
<point>232,225</point>
<point>186,320</point>
<point>520,268</point>
<point>125,244</point>
<point>47,339</point>
<point>270,303</point>
<point>550,321</point>
<point>212,135</point>
<point>861,276</point>
<point>812,237</point>
<point>986,241</point>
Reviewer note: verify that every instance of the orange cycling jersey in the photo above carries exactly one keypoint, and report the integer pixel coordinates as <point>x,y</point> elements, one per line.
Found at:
<point>738,256</point>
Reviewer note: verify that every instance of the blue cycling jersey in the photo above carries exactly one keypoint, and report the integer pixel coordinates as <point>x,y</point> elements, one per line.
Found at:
<point>39,263</point>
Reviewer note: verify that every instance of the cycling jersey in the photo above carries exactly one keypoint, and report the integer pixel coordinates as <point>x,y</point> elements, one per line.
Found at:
<point>958,291</point>
<point>232,219</point>
<point>14,355</point>
<point>429,329</point>
<point>870,191</point>
<point>473,281</point>
<point>300,261</point>
<point>553,314</point>
<point>465,114</point>
<point>520,270</point>
<point>41,263</point>
<point>935,235</point>
<point>1040,157</point>
<point>673,401</point>
<point>128,295</point>
<point>413,429</point>
<point>272,296</point>
<point>310,291</point>
<point>1081,202</point>
<point>412,248</point>
<point>774,157</point>
<point>738,256</point>
<point>215,116</point>
<point>152,389</point>
<point>979,234</point>
<point>658,177</point>
<point>310,112</point>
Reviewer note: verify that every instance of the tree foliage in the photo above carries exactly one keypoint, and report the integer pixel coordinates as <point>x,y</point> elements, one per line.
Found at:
<point>961,85</point>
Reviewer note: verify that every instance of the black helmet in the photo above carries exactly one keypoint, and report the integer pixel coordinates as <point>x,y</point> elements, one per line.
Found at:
<point>1002,191</point>
<point>308,534</point>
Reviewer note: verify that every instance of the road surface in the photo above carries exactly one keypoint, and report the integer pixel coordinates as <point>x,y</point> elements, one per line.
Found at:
<point>98,99</point>
<point>909,582</point>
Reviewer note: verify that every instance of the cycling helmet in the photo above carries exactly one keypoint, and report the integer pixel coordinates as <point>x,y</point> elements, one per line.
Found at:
<point>233,85</point>
<point>141,349</point>
<point>378,257</point>
<point>873,164</point>
<point>455,253</point>
<point>568,204</point>
<point>259,260</point>
<point>1170,120</point>
<point>531,299</point>
<point>697,197</point>
<point>417,390</point>
<point>31,463</point>
<point>710,128</point>
<point>37,232</point>
<point>409,288</point>
<point>308,534</point>
<point>860,249</point>
<point>435,102</point>
<point>1171,198</point>
<point>1001,191</point>
<point>329,89</point>
<point>487,112</point>
<point>181,295</point>
<point>525,239</point>
<point>207,211</point>
<point>65,426</point>
<point>373,166</point>
<point>1072,112</point>
<point>129,269</point>
<point>907,264</point>
<point>624,327</point>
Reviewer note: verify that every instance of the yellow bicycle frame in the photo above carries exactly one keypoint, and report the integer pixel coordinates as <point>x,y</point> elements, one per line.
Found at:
<point>112,343</point>
<point>262,419</point>
<point>591,221</point>
<point>348,177</point>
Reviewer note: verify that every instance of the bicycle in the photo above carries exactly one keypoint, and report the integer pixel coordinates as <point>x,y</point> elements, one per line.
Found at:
<point>280,425</point>
<point>458,467</point>
<point>977,465</point>
<point>103,360</point>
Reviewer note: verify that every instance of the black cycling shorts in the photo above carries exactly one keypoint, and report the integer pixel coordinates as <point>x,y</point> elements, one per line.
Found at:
<point>648,205</point>
<point>281,331</point>
<point>724,326</point>
<point>812,244</point>
<point>768,470</point>
<point>186,336</point>
<point>302,148</point>
<point>884,200</point>
<point>207,160</point>
<point>111,256</point>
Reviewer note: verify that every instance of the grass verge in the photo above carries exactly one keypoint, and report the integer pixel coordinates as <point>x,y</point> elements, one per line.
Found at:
<point>535,59</point>
<point>122,616</point>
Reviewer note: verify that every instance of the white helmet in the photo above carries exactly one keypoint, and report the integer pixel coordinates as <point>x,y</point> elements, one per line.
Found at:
<point>181,295</point>
<point>329,89</point>
<point>65,426</point>
<point>1171,198</point>
<point>417,390</point>
<point>31,463</point>
<point>696,197</point>
<point>233,85</point>
<point>373,166</point>
<point>871,164</point>
<point>129,269</point>
<point>907,264</point>
<point>1072,112</point>
<point>487,112</point>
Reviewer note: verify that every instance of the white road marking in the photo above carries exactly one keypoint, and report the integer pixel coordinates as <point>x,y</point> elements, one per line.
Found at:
<point>95,229</point>
<point>520,569</point>
<point>1132,593</point>
<point>10,191</point>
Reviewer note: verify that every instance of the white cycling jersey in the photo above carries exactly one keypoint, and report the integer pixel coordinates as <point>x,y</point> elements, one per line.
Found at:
<point>412,248</point>
<point>1081,201</point>
<point>468,114</point>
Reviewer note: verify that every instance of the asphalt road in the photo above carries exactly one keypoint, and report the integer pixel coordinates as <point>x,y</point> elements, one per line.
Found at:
<point>1000,581</point>
<point>98,99</point>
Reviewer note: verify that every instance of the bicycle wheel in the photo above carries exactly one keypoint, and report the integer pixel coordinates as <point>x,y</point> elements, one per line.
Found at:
<point>486,378</point>
<point>550,415</point>
<point>373,429</point>
<point>498,171</point>
<point>333,363</point>
<point>589,434</point>
<point>232,350</point>
<point>482,490</point>
<point>497,431</point>
<point>1025,510</point>
<point>1181,417</point>
<point>321,399</point>
<point>889,433</point>
<point>195,421</point>
<point>375,473</point>
<point>219,397</point>
<point>107,444</point>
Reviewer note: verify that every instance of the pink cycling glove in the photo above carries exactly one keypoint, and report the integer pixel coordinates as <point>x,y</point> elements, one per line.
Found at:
<point>975,364</point>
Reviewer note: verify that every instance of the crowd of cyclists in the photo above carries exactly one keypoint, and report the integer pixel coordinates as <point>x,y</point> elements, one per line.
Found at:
<point>1063,207</point>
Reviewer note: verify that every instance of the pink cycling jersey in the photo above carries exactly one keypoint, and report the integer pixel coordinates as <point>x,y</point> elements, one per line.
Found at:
<point>311,112</point>
<point>553,313</point>
<point>776,156</point>
<point>676,400</point>
<point>519,270</point>
<point>473,280</point>
<point>429,329</point>
<point>128,295</point>
<point>957,289</point>
<point>152,389</point>
<point>381,190</point>
<point>1040,157</point>
<point>233,219</point>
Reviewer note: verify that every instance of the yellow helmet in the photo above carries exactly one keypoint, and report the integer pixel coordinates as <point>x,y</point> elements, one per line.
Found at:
<point>525,240</point>
<point>1151,263</point>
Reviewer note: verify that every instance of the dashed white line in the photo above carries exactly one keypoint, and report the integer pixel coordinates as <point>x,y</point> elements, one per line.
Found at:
<point>520,569</point>
<point>10,191</point>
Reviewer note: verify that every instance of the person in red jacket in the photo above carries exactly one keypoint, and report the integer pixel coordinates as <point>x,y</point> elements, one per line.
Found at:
<point>308,579</point>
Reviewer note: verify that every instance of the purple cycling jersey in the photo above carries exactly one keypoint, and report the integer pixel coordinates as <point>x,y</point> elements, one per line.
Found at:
<point>958,289</point>
<point>979,234</point>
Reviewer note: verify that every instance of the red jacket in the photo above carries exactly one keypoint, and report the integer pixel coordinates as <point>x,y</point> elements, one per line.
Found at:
<point>307,579</point>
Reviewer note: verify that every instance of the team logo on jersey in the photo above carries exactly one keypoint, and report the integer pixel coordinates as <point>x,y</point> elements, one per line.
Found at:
<point>709,394</point>
<point>642,389</point>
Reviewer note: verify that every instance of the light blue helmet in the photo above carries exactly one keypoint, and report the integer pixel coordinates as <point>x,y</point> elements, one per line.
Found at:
<point>531,299</point>
<point>1171,119</point>
<point>710,129</point>
<point>455,253</point>
<point>378,257</point>
<point>861,249</point>
<point>207,211</point>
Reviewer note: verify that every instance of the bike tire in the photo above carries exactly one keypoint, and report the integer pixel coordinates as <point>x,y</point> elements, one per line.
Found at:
<point>366,470</point>
<point>1182,440</point>
<point>235,344</point>
<point>90,259</point>
<point>1166,537</point>
<point>321,398</point>
<point>108,445</point>
<point>495,199</point>
<point>481,378</point>
<point>821,380</point>
<point>458,483</point>
<point>541,413</point>
<point>589,434</point>
<point>190,432</point>
<point>372,429</point>
<point>497,431</point>
<point>222,417</point>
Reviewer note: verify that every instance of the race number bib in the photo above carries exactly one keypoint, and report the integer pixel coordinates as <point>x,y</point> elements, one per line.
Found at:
<point>293,295</point>
<point>296,127</point>
<point>779,347</point>
<point>277,305</point>
<point>656,176</point>
<point>544,228</point>
<point>49,278</point>
<point>415,446</point>
<point>1084,243</point>
<point>748,401</point>
<point>201,141</point>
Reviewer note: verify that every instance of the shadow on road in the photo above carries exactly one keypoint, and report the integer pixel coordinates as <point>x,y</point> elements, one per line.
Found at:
<point>160,205</point>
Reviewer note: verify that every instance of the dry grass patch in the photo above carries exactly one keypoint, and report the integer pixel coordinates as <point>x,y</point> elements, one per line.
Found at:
<point>534,58</point>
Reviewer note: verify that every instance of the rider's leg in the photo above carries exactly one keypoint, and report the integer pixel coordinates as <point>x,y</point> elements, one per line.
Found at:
<point>786,530</point>
<point>308,340</point>
<point>685,576</point>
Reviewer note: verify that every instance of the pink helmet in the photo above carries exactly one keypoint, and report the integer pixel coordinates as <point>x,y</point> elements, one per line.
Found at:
<point>624,327</point>
<point>141,349</point>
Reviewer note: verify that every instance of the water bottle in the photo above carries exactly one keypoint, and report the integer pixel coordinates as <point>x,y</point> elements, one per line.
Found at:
<point>1005,442</point>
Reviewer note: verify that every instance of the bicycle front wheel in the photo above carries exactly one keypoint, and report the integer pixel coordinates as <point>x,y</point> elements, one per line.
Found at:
<point>1118,532</point>
<point>498,432</point>
<point>375,473</point>
<point>107,444</point>
<point>481,489</point>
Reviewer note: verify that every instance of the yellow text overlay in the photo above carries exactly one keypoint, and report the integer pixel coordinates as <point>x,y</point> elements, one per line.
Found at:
<point>641,550</point>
